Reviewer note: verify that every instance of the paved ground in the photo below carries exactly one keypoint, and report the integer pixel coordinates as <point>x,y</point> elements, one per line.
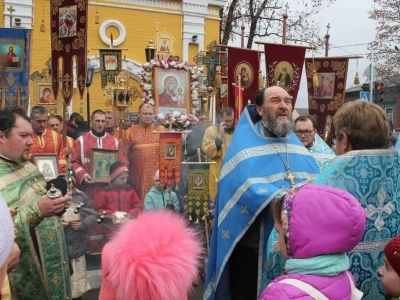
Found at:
<point>93,264</point>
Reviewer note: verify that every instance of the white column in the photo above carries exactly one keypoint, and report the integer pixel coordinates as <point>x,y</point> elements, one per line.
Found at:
<point>193,20</point>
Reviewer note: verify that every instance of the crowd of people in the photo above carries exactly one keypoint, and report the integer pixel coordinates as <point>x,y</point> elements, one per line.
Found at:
<point>292,217</point>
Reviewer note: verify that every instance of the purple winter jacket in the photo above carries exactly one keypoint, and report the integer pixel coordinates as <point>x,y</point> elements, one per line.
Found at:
<point>323,220</point>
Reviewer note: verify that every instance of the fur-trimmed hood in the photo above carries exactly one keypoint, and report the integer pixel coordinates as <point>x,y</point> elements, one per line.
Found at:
<point>154,257</point>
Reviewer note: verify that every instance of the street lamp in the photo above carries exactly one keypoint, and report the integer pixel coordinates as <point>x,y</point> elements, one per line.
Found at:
<point>150,51</point>
<point>89,80</point>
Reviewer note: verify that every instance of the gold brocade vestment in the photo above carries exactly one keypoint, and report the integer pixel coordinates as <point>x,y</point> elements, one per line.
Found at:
<point>43,269</point>
<point>210,148</point>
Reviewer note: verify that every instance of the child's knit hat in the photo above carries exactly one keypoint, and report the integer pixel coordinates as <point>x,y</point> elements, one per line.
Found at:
<point>392,253</point>
<point>117,169</point>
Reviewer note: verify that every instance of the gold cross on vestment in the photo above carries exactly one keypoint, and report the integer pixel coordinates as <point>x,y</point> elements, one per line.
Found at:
<point>11,10</point>
<point>290,177</point>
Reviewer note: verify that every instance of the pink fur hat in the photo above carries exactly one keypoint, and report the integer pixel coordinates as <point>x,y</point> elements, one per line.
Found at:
<point>154,257</point>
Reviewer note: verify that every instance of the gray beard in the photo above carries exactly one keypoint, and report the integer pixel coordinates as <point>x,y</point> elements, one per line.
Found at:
<point>276,127</point>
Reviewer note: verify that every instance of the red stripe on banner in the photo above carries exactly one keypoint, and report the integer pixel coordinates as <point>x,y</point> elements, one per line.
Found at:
<point>244,62</point>
<point>170,158</point>
<point>284,65</point>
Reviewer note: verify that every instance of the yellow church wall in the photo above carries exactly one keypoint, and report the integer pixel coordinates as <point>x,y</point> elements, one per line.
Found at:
<point>211,30</point>
<point>140,26</point>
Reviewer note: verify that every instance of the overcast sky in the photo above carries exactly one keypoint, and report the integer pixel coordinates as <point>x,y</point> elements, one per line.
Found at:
<point>350,25</point>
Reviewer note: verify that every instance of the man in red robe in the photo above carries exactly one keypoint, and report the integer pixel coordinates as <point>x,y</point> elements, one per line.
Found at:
<point>168,97</point>
<point>80,163</point>
<point>56,123</point>
<point>46,141</point>
<point>143,148</point>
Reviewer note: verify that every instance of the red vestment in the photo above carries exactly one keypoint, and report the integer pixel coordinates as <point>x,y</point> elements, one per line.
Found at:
<point>50,142</point>
<point>112,199</point>
<point>80,164</point>
<point>143,148</point>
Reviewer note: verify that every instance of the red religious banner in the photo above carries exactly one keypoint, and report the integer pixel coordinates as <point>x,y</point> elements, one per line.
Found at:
<point>325,99</point>
<point>170,157</point>
<point>243,62</point>
<point>238,102</point>
<point>68,39</point>
<point>284,65</point>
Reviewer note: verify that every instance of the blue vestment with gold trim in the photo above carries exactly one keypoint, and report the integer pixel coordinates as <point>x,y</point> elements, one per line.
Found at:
<point>252,175</point>
<point>372,176</point>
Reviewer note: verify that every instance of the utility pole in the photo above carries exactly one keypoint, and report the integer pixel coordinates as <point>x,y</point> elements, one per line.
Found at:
<point>371,81</point>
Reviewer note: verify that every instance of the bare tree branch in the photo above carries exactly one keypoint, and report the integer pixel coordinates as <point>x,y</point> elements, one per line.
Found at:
<point>264,18</point>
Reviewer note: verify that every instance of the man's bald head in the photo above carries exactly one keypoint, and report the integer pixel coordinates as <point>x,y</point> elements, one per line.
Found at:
<point>146,114</point>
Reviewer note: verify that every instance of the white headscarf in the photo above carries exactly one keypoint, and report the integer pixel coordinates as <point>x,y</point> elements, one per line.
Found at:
<point>6,231</point>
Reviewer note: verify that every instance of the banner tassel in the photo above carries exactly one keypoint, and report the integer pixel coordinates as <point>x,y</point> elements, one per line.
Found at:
<point>190,217</point>
<point>197,220</point>
<point>315,78</point>
<point>356,79</point>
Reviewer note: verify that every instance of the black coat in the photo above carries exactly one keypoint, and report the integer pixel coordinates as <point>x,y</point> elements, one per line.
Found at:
<point>76,239</point>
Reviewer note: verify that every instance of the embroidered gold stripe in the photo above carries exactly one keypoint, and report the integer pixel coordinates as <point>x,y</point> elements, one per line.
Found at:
<point>145,145</point>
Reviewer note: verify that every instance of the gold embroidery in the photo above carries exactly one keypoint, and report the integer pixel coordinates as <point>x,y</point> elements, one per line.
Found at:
<point>311,66</point>
<point>56,44</point>
<point>225,234</point>
<point>339,68</point>
<point>11,79</point>
<point>336,103</point>
<point>50,235</point>
<point>322,108</point>
<point>55,279</point>
<point>32,219</point>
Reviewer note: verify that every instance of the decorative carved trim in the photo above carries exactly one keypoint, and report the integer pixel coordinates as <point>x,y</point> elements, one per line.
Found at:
<point>120,27</point>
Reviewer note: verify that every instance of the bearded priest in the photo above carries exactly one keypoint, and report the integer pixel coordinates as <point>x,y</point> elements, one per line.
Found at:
<point>264,159</point>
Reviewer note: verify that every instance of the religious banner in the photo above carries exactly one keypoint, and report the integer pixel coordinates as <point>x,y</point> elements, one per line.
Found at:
<point>325,99</point>
<point>170,157</point>
<point>110,65</point>
<point>243,62</point>
<point>284,65</point>
<point>15,62</point>
<point>68,40</point>
<point>198,189</point>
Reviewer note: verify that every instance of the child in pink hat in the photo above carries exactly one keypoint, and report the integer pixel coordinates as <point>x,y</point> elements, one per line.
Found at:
<point>317,225</point>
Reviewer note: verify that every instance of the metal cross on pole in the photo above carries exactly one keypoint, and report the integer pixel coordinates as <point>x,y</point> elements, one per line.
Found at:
<point>11,10</point>
<point>212,61</point>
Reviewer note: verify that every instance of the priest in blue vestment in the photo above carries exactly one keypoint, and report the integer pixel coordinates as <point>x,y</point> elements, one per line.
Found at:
<point>264,159</point>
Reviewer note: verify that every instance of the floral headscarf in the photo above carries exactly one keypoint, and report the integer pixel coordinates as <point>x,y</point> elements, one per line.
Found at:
<point>287,211</point>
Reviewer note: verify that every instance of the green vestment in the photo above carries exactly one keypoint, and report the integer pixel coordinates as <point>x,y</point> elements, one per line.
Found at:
<point>43,269</point>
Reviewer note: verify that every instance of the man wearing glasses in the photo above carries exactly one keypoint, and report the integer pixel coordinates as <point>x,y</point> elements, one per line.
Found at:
<point>305,129</point>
